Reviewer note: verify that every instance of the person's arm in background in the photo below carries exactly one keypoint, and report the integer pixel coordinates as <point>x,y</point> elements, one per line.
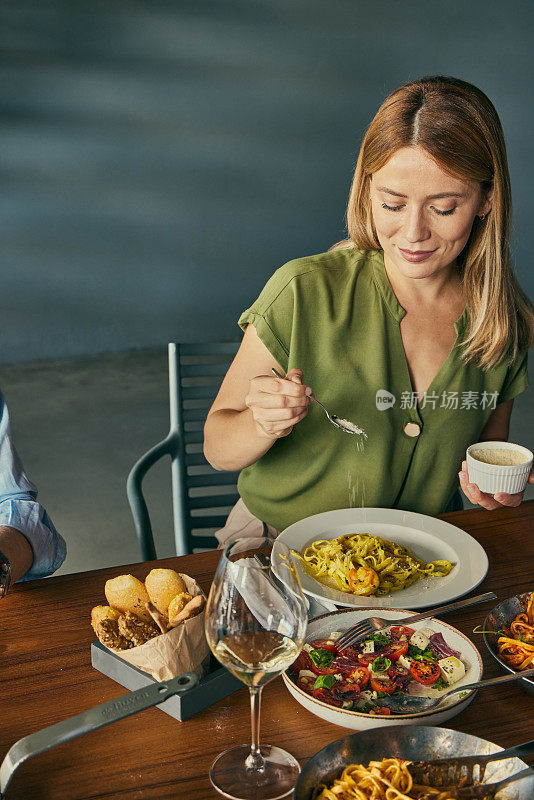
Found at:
<point>17,550</point>
<point>495,430</point>
<point>28,537</point>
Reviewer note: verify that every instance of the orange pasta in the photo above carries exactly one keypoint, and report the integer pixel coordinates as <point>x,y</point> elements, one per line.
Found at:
<point>517,646</point>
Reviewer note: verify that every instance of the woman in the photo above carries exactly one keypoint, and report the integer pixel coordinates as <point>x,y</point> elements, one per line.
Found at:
<point>414,328</point>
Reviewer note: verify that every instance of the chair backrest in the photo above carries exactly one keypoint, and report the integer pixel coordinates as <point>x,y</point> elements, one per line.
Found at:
<point>202,496</point>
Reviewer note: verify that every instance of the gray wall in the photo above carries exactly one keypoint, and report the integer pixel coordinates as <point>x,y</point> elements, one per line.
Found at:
<point>160,159</point>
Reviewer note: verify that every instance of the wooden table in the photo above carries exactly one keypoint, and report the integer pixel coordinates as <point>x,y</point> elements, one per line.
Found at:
<point>47,675</point>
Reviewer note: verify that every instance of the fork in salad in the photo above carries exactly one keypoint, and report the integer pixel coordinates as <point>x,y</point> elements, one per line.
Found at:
<point>398,662</point>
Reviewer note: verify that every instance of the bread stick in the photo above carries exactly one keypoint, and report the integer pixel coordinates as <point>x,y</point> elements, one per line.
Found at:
<point>192,608</point>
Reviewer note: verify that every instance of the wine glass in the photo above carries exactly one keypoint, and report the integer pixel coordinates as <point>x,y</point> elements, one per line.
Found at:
<point>255,626</point>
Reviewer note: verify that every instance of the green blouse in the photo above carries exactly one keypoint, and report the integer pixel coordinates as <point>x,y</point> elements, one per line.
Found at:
<point>335,317</point>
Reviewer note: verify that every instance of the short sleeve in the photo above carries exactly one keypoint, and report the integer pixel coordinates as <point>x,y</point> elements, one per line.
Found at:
<point>272,314</point>
<point>516,379</point>
<point>19,508</point>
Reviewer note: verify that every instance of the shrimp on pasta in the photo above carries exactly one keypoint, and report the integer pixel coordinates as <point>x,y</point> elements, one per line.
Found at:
<point>363,564</point>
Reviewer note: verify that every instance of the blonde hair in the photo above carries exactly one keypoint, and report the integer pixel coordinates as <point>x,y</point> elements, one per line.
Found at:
<point>458,126</point>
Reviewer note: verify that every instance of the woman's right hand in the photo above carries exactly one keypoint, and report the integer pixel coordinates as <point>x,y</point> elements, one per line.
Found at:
<point>277,404</point>
<point>253,409</point>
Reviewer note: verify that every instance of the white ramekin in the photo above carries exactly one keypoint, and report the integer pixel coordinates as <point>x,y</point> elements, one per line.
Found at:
<point>494,478</point>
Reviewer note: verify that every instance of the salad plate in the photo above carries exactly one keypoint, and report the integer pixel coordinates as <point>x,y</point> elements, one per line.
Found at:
<point>427,537</point>
<point>339,621</point>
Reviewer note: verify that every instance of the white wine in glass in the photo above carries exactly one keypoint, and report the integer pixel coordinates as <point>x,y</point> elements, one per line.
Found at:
<point>255,626</point>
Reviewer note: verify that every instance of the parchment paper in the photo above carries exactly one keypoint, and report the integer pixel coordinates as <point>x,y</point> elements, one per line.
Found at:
<point>182,649</point>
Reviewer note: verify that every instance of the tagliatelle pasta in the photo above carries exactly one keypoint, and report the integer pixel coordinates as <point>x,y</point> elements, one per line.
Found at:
<point>349,562</point>
<point>388,779</point>
<point>517,649</point>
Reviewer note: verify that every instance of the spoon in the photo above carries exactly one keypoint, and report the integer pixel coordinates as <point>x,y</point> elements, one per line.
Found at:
<point>343,424</point>
<point>414,705</point>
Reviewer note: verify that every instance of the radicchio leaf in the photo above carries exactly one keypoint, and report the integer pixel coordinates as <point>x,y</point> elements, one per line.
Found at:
<point>440,648</point>
<point>344,664</point>
<point>401,681</point>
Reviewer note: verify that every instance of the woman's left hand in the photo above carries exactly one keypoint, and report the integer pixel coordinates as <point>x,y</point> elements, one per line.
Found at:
<point>489,501</point>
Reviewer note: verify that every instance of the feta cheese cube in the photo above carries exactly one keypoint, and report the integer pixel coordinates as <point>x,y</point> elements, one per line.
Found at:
<point>369,647</point>
<point>363,698</point>
<point>419,640</point>
<point>405,661</point>
<point>380,676</point>
<point>452,669</point>
<point>428,632</point>
<point>307,647</point>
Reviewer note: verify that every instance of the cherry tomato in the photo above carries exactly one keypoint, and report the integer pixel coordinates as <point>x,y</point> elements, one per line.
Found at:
<point>366,658</point>
<point>395,650</point>
<point>326,696</point>
<point>396,670</point>
<point>381,711</point>
<point>344,690</point>
<point>306,684</point>
<point>383,685</point>
<point>425,672</point>
<point>324,644</point>
<point>303,661</point>
<point>322,670</point>
<point>352,652</point>
<point>398,631</point>
<point>360,676</point>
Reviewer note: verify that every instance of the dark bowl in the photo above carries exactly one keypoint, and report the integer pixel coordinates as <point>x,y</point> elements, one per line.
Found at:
<point>413,742</point>
<point>502,615</point>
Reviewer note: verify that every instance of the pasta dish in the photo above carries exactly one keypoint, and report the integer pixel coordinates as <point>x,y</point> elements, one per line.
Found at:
<point>388,779</point>
<point>516,647</point>
<point>364,564</point>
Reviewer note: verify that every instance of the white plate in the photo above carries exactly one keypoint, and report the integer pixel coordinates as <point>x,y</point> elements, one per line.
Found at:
<point>427,537</point>
<point>321,628</point>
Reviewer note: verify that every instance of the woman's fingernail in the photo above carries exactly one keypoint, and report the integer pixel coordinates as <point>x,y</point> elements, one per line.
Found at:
<point>499,497</point>
<point>461,476</point>
<point>308,391</point>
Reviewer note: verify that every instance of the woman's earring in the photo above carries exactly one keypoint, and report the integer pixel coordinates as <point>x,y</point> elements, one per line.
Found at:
<point>483,216</point>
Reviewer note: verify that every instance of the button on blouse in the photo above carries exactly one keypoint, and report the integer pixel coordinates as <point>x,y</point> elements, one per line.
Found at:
<point>336,317</point>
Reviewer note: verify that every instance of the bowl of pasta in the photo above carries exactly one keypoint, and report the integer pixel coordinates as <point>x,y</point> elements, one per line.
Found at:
<point>345,764</point>
<point>509,635</point>
<point>350,688</point>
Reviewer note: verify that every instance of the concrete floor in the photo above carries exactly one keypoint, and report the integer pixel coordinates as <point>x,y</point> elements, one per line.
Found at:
<point>79,426</point>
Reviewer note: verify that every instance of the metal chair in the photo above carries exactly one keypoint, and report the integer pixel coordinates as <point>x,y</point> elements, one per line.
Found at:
<point>201,496</point>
